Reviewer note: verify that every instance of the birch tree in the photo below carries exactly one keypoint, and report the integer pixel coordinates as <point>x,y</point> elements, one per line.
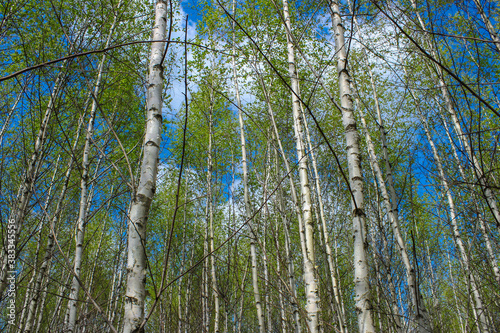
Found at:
<point>144,193</point>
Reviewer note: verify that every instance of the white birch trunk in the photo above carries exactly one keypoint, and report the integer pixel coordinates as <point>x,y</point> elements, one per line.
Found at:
<point>489,26</point>
<point>263,244</point>
<point>204,289</point>
<point>478,306</point>
<point>136,261</point>
<point>36,279</point>
<point>210,218</point>
<point>482,224</point>
<point>42,303</point>
<point>459,315</point>
<point>114,295</point>
<point>86,196</point>
<point>311,284</point>
<point>422,318</point>
<point>32,290</point>
<point>476,166</point>
<point>362,287</point>
<point>464,258</point>
<point>90,284</point>
<point>82,217</point>
<point>248,204</point>
<point>6,123</point>
<point>296,207</point>
<point>44,268</point>
<point>394,313</point>
<point>18,211</point>
<point>329,257</point>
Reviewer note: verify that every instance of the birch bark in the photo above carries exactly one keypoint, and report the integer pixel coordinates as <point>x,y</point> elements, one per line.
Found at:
<point>464,258</point>
<point>82,216</point>
<point>9,116</point>
<point>311,284</point>
<point>491,29</point>
<point>34,290</point>
<point>362,287</point>
<point>482,224</point>
<point>210,219</point>
<point>282,206</point>
<point>339,309</point>
<point>422,318</point>
<point>477,169</point>
<point>143,196</point>
<point>19,207</point>
<point>246,195</point>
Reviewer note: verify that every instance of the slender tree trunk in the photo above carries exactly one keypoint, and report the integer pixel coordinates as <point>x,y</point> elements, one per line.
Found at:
<point>422,318</point>
<point>57,309</point>
<point>115,300</point>
<point>394,313</point>
<point>329,257</point>
<point>263,244</point>
<point>20,205</point>
<point>311,284</point>
<point>478,306</point>
<point>291,269</point>
<point>240,314</point>
<point>11,112</point>
<point>295,205</point>
<point>181,319</point>
<point>90,284</point>
<point>489,26</point>
<point>136,262</point>
<point>30,290</point>
<point>188,295</point>
<point>482,224</point>
<point>42,303</point>
<point>283,320</point>
<point>362,287</point>
<point>81,223</point>
<point>433,282</point>
<point>82,216</point>
<point>481,177</point>
<point>33,285</point>
<point>246,195</point>
<point>43,271</point>
<point>204,289</point>
<point>210,217</point>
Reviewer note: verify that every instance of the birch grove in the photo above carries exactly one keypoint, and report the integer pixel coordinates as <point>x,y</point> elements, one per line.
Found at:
<point>250,166</point>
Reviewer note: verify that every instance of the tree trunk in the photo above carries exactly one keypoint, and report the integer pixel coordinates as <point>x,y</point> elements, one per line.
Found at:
<point>482,224</point>
<point>422,318</point>
<point>481,177</point>
<point>491,29</point>
<point>311,284</point>
<point>20,205</point>
<point>246,195</point>
<point>136,262</point>
<point>210,216</point>
<point>464,258</point>
<point>6,123</point>
<point>36,279</point>
<point>329,257</point>
<point>362,287</point>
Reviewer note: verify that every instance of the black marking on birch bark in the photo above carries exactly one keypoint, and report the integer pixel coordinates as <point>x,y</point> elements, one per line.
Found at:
<point>158,67</point>
<point>358,212</point>
<point>158,116</point>
<point>152,143</point>
<point>141,198</point>
<point>131,300</point>
<point>350,127</point>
